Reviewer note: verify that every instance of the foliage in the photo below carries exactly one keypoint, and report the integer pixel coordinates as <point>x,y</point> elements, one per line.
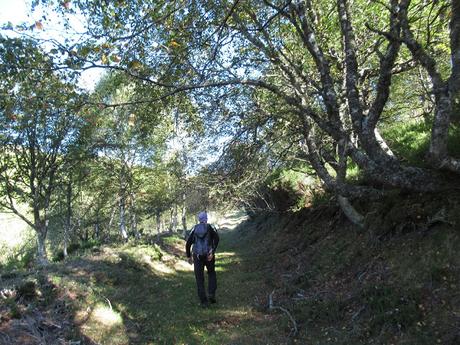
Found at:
<point>40,128</point>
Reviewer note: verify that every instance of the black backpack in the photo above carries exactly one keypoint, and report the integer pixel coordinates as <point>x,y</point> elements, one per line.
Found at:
<point>202,239</point>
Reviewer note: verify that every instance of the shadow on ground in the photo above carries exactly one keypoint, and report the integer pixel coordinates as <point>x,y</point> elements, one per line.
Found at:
<point>130,295</point>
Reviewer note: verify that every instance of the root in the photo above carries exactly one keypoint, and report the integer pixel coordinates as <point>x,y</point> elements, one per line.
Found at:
<point>271,306</point>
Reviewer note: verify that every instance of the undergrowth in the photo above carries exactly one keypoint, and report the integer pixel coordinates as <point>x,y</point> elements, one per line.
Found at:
<point>141,294</point>
<point>304,277</point>
<point>394,284</point>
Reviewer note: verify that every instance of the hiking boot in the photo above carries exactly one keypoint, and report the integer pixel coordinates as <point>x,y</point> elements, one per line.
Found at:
<point>212,299</point>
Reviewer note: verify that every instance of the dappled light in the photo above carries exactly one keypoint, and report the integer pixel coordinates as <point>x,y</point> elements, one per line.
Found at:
<point>232,220</point>
<point>161,268</point>
<point>229,172</point>
<point>106,316</point>
<point>105,326</point>
<point>184,266</point>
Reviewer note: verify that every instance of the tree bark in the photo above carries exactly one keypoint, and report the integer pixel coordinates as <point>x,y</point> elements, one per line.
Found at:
<point>42,257</point>
<point>158,220</point>
<point>173,219</point>
<point>68,223</point>
<point>350,212</point>
<point>96,229</point>
<point>454,79</point>
<point>134,218</point>
<point>184,215</point>
<point>112,215</point>
<point>123,232</point>
<point>446,93</point>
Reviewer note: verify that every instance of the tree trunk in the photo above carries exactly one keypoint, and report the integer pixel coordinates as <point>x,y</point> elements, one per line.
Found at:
<point>454,80</point>
<point>175,222</point>
<point>440,130</point>
<point>350,212</point>
<point>112,215</point>
<point>41,228</point>
<point>123,232</point>
<point>134,218</point>
<point>158,220</point>
<point>172,219</point>
<point>96,229</point>
<point>68,222</point>
<point>134,225</point>
<point>410,178</point>
<point>184,216</point>
<point>42,258</point>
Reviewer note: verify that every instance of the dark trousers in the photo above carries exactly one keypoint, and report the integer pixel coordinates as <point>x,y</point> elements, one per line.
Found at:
<point>199,263</point>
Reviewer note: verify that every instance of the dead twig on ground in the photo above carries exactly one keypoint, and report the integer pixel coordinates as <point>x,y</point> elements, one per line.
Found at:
<point>271,306</point>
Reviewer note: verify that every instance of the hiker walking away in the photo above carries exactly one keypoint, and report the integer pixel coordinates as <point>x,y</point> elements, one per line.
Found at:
<point>205,239</point>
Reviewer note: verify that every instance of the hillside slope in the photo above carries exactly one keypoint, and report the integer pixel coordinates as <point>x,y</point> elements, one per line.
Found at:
<point>306,277</point>
<point>395,283</point>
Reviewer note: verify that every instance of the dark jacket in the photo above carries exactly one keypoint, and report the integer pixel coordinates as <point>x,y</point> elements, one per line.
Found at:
<point>214,238</point>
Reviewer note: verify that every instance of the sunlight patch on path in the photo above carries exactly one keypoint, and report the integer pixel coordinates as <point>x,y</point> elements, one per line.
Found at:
<point>160,267</point>
<point>106,316</point>
<point>226,255</point>
<point>231,220</point>
<point>106,325</point>
<point>183,266</point>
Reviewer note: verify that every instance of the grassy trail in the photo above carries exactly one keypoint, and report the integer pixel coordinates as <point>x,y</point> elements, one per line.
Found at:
<point>126,296</point>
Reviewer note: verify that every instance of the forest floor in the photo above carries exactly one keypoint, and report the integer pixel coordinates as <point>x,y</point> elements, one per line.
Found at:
<point>305,277</point>
<point>141,294</point>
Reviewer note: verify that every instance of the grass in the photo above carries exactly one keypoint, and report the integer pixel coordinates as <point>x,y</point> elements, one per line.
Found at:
<point>410,141</point>
<point>142,294</point>
<point>384,286</point>
<point>340,286</point>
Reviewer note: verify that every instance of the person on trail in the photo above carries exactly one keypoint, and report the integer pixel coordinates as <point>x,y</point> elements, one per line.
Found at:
<point>205,239</point>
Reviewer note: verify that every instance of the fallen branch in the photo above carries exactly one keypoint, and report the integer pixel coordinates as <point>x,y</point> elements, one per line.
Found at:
<point>271,306</point>
<point>108,301</point>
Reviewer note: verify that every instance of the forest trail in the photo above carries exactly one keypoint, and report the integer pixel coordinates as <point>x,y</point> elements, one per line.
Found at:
<point>160,305</point>
<point>341,286</point>
<point>127,295</point>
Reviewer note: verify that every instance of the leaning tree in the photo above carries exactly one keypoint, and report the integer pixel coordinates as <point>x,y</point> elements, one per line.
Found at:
<point>332,66</point>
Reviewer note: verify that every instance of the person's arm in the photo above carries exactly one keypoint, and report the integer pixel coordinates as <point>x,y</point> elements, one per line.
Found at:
<point>189,243</point>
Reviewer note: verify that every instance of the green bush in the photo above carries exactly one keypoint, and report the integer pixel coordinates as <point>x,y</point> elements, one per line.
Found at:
<point>291,189</point>
<point>75,247</point>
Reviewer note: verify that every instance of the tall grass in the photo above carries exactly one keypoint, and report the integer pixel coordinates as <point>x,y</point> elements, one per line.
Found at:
<point>410,141</point>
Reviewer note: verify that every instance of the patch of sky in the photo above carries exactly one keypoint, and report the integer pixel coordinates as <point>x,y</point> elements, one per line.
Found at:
<point>49,27</point>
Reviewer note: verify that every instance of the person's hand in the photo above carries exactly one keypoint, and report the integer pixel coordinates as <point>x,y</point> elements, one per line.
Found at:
<point>190,260</point>
<point>210,256</point>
